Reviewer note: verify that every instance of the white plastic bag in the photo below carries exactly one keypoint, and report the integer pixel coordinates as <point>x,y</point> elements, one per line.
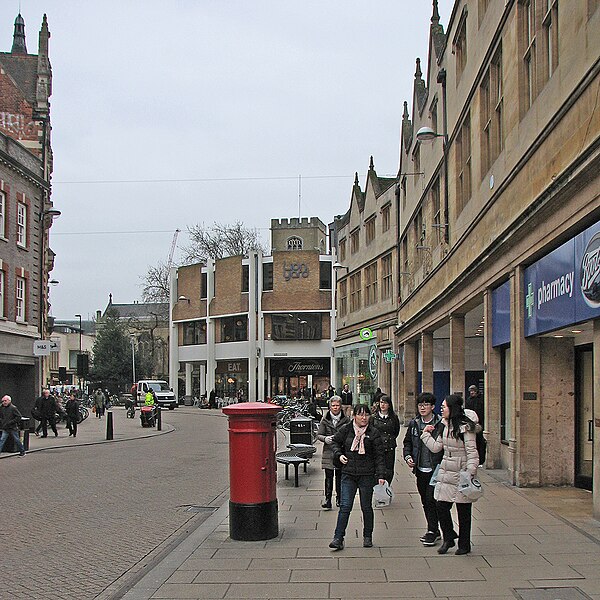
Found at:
<point>469,486</point>
<point>382,495</point>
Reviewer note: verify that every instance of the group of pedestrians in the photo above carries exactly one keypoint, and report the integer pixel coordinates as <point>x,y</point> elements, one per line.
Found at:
<point>359,450</point>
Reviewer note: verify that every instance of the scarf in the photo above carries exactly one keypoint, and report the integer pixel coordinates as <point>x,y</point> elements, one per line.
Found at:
<point>359,439</point>
<point>335,419</point>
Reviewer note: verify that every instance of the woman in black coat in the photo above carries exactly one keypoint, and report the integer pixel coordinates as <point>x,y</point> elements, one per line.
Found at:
<point>358,447</point>
<point>388,424</point>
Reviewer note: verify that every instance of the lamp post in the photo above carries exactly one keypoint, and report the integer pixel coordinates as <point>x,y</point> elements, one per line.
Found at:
<point>80,352</point>
<point>132,358</point>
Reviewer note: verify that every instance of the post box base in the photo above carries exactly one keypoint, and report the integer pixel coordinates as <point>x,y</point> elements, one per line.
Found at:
<point>253,522</point>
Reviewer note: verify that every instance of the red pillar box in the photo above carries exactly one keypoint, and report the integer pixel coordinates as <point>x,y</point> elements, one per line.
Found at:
<point>252,471</point>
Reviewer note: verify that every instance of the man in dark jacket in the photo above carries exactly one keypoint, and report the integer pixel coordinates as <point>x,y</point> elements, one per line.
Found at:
<point>423,462</point>
<point>10,417</point>
<point>47,409</point>
<point>346,396</point>
<point>72,410</point>
<point>358,447</point>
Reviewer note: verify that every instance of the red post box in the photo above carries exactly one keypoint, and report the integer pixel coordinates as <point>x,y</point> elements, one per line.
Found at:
<point>252,471</point>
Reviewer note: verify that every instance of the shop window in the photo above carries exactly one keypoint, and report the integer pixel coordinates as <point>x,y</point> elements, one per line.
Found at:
<point>234,329</point>
<point>245,278</point>
<point>194,333</point>
<point>325,275</point>
<point>203,285</point>
<point>267,277</point>
<point>296,326</point>
<point>506,399</point>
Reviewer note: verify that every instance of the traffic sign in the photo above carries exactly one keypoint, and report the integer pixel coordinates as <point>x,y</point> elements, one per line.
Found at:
<point>41,347</point>
<point>54,345</point>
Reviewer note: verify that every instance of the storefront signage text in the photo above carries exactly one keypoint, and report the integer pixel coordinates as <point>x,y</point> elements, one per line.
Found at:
<point>295,271</point>
<point>299,367</point>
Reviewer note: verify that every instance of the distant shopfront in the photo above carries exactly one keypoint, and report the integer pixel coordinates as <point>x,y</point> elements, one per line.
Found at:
<point>287,376</point>
<point>231,377</point>
<point>356,365</point>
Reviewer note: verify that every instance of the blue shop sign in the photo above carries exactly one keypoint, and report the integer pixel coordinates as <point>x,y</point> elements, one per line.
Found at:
<point>563,287</point>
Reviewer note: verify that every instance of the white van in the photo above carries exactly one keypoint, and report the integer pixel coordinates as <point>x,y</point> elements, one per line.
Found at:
<point>163,393</point>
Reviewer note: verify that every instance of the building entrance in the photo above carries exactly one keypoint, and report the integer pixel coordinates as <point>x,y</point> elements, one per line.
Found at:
<point>584,416</point>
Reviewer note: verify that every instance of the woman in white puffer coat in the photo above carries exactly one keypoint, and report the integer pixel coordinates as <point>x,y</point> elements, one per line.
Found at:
<point>460,454</point>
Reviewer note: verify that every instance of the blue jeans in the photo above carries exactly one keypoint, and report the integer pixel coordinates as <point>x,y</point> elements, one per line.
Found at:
<point>16,437</point>
<point>364,484</point>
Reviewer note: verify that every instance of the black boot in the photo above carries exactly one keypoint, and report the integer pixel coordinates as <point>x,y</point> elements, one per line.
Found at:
<point>328,492</point>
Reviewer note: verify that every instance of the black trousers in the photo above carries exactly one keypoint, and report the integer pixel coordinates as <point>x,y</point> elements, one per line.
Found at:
<point>329,476</point>
<point>464,523</point>
<point>72,425</point>
<point>48,421</point>
<point>427,499</point>
<point>389,457</point>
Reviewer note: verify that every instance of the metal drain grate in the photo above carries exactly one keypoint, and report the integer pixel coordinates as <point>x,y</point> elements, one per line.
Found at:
<point>197,509</point>
<point>556,593</point>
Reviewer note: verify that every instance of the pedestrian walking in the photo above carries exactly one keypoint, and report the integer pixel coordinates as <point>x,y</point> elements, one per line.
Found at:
<point>359,449</point>
<point>212,399</point>
<point>387,423</point>
<point>474,402</point>
<point>330,391</point>
<point>10,418</point>
<point>47,412</point>
<point>72,410</point>
<point>346,396</point>
<point>460,454</point>
<point>378,393</point>
<point>99,402</point>
<point>423,462</point>
<point>330,424</point>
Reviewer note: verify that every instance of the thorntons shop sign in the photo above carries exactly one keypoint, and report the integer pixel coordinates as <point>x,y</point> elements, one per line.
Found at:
<point>563,287</point>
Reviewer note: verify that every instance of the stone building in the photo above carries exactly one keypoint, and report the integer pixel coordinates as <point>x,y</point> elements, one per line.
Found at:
<point>25,214</point>
<point>499,236</point>
<point>365,239</point>
<point>259,324</point>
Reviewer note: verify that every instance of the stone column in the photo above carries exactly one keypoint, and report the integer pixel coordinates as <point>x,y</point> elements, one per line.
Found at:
<point>427,361</point>
<point>457,354</point>
<point>411,370</point>
<point>203,389</point>
<point>189,393</point>
<point>525,359</point>
<point>596,424</point>
<point>492,373</point>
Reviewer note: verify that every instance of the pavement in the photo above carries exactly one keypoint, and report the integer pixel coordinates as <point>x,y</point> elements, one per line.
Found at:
<point>526,544</point>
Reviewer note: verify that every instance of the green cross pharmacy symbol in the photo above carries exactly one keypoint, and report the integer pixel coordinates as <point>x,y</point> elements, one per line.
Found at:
<point>529,300</point>
<point>389,356</point>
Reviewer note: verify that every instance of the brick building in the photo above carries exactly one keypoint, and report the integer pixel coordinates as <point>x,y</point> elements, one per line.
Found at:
<point>25,213</point>
<point>499,236</point>
<point>256,323</point>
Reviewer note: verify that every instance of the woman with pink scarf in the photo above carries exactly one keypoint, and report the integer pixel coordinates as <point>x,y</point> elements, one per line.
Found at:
<point>358,448</point>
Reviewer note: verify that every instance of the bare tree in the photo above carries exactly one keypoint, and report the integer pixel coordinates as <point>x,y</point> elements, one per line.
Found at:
<point>220,240</point>
<point>155,284</point>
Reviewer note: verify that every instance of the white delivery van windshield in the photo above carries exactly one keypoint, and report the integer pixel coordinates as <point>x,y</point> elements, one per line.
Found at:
<point>159,386</point>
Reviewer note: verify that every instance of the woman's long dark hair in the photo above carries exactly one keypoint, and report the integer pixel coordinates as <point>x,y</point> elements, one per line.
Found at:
<point>386,398</point>
<point>457,417</point>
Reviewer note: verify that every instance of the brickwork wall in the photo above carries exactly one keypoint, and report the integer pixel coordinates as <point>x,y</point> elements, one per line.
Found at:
<point>16,114</point>
<point>188,285</point>
<point>229,298</point>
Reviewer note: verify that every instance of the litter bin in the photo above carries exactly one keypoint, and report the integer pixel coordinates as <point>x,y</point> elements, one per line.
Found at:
<point>301,431</point>
<point>253,512</point>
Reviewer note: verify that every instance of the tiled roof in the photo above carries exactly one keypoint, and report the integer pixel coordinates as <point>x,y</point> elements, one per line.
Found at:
<point>23,70</point>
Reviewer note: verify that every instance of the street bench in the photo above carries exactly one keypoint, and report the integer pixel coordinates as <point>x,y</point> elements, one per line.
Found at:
<point>291,457</point>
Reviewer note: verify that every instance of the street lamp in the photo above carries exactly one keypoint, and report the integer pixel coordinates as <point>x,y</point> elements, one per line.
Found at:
<point>79,359</point>
<point>133,358</point>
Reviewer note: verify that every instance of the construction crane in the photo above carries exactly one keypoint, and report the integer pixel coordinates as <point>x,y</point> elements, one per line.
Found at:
<point>172,251</point>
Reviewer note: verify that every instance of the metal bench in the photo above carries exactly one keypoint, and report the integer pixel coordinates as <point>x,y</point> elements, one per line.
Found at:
<point>291,457</point>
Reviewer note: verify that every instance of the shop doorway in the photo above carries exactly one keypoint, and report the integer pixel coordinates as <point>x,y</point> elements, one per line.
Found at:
<point>584,416</point>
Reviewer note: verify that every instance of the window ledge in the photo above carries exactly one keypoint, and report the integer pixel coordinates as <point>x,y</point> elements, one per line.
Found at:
<point>3,239</point>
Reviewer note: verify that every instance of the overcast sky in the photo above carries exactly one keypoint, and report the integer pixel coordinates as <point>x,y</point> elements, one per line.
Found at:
<point>215,90</point>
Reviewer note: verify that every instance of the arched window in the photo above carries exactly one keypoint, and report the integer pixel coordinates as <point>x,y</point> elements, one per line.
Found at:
<point>294,243</point>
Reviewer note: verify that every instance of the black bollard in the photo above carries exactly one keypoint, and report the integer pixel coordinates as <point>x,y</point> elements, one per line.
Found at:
<point>109,425</point>
<point>26,439</point>
<point>158,418</point>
